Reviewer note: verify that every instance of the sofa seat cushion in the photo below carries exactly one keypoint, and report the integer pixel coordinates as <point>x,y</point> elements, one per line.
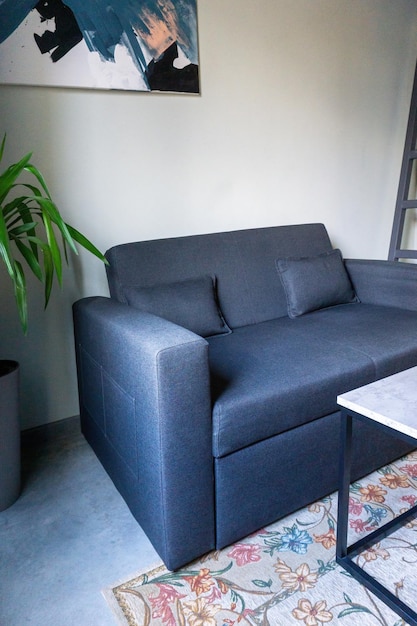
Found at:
<point>386,335</point>
<point>270,377</point>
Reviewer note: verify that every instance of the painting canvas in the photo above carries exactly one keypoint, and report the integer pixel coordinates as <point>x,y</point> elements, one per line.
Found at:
<point>142,45</point>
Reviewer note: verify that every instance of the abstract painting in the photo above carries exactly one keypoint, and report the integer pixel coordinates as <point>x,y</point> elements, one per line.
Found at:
<point>140,45</point>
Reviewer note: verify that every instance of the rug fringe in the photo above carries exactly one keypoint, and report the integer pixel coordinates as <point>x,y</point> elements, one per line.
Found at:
<point>111,600</point>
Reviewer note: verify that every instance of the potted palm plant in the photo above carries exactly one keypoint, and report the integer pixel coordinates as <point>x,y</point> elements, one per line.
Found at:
<point>34,237</point>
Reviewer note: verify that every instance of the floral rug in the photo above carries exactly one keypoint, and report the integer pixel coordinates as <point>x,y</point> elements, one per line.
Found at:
<point>286,574</point>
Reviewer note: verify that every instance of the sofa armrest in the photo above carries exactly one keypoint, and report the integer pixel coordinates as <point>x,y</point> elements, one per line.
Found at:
<point>388,283</point>
<point>146,410</point>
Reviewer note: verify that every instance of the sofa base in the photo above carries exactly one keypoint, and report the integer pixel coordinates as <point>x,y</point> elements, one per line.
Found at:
<point>271,479</point>
<point>192,537</point>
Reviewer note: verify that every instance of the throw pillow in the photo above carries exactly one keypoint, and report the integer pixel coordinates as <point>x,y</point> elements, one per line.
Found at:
<point>312,283</point>
<point>189,303</point>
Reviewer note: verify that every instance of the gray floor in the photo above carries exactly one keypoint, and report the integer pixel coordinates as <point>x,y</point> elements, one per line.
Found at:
<point>67,537</point>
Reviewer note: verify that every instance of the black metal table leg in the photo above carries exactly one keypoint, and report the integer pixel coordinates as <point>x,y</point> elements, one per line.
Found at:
<point>344,484</point>
<point>345,553</point>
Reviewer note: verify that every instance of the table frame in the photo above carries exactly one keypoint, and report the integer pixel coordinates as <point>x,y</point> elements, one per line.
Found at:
<point>345,553</point>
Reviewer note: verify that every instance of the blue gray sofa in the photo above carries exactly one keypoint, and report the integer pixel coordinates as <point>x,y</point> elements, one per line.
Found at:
<point>208,380</point>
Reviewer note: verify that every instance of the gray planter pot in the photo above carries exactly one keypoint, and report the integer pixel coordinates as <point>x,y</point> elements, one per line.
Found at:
<point>9,434</point>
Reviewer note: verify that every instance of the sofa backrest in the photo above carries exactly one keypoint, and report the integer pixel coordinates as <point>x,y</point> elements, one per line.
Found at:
<point>243,262</point>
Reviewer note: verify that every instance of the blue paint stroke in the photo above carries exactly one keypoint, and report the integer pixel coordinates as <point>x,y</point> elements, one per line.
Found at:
<point>12,13</point>
<point>107,23</point>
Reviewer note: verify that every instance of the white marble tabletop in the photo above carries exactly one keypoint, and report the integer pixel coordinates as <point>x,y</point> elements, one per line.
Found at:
<point>391,401</point>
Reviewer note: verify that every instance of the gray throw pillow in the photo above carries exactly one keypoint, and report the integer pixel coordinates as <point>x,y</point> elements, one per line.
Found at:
<point>312,283</point>
<point>189,303</point>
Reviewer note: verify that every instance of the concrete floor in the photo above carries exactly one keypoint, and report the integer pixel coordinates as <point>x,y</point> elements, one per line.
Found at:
<point>67,537</point>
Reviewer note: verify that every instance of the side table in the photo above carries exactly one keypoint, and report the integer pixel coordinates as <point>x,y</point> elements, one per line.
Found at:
<point>390,404</point>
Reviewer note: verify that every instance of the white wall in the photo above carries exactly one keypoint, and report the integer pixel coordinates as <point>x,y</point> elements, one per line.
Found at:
<point>301,118</point>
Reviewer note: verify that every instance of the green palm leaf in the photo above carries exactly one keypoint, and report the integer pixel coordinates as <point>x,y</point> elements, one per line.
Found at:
<point>30,259</point>
<point>31,226</point>
<point>85,243</point>
<point>8,178</point>
<point>20,295</point>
